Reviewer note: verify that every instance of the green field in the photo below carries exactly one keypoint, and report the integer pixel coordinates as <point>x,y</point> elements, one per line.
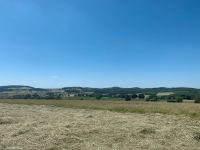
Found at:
<point>187,109</point>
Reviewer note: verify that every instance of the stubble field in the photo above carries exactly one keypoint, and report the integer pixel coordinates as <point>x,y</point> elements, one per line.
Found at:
<point>33,127</point>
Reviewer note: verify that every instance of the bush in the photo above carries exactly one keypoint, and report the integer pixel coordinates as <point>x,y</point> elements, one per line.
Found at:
<point>127,98</point>
<point>197,99</point>
<point>186,96</point>
<point>152,98</point>
<point>172,101</point>
<point>98,96</point>
<point>134,96</point>
<point>141,96</point>
<point>177,99</point>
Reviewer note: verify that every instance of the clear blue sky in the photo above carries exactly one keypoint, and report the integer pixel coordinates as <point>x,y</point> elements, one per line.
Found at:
<point>100,43</point>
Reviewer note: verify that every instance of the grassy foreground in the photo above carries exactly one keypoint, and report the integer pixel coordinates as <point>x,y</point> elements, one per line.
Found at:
<point>34,127</point>
<point>188,109</point>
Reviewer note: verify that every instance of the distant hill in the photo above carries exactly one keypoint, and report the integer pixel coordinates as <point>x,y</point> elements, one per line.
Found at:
<point>101,90</point>
<point>21,91</point>
<point>14,87</point>
<point>18,88</point>
<point>132,90</point>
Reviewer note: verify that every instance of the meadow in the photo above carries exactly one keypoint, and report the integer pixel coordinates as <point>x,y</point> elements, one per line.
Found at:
<point>47,127</point>
<point>185,109</point>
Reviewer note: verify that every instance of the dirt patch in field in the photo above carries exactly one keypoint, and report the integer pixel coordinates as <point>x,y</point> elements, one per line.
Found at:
<point>53,128</point>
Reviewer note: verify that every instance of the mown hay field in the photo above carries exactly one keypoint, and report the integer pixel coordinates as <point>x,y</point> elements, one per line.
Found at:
<point>42,127</point>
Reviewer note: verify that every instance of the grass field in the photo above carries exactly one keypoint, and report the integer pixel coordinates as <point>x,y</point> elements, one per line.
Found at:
<point>40,127</point>
<point>187,109</point>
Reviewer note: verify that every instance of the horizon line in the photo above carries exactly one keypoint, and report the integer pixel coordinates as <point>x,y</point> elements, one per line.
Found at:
<point>100,87</point>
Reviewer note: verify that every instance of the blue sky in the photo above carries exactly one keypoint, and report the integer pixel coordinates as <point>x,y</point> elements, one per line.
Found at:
<point>100,43</point>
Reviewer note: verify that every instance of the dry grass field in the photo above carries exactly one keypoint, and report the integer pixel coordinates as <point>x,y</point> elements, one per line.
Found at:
<point>182,109</point>
<point>42,127</point>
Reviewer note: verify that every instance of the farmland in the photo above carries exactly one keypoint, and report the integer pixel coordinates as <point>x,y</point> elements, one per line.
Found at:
<point>150,94</point>
<point>46,127</point>
<point>183,109</point>
<point>99,75</point>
